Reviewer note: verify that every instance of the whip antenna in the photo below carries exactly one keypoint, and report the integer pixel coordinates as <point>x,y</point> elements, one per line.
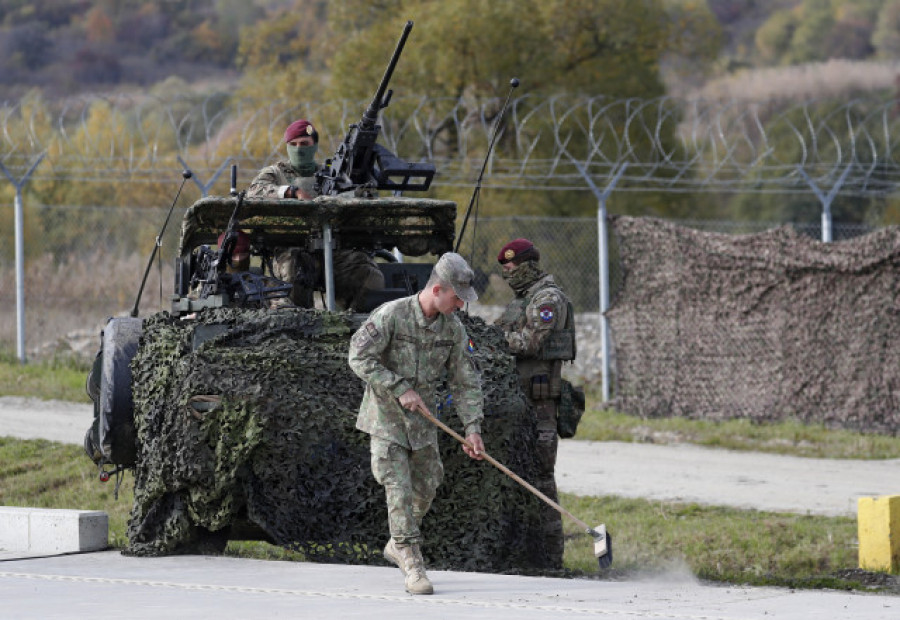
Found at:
<point>186,174</point>
<point>513,84</point>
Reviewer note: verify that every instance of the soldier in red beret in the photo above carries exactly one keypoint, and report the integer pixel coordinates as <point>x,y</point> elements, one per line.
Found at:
<point>240,252</point>
<point>355,272</point>
<point>540,331</point>
<point>294,178</point>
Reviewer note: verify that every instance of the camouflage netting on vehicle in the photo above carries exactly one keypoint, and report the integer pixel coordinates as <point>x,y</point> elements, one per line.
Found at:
<point>415,226</point>
<point>765,326</point>
<point>247,418</point>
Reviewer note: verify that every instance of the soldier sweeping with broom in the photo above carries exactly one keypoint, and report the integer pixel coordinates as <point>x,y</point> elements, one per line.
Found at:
<point>401,353</point>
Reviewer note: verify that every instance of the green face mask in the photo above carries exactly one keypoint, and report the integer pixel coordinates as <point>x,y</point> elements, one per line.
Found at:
<point>522,276</point>
<point>303,158</point>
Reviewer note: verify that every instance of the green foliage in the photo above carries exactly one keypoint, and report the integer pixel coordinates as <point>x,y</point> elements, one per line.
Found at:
<point>830,138</point>
<point>886,37</point>
<point>465,47</point>
<point>817,30</point>
<point>773,39</point>
<point>808,42</point>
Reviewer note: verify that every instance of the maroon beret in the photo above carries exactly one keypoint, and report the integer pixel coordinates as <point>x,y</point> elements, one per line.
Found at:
<point>299,128</point>
<point>518,251</point>
<point>241,245</point>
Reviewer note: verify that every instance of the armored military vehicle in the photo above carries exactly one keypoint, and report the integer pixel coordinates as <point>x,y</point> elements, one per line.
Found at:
<point>237,413</point>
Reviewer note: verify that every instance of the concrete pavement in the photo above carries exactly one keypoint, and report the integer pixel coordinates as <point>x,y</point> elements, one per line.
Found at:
<point>748,480</point>
<point>110,585</point>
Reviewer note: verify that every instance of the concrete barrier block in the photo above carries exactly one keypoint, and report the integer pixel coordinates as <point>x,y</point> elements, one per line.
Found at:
<point>49,531</point>
<point>878,524</point>
<point>13,528</point>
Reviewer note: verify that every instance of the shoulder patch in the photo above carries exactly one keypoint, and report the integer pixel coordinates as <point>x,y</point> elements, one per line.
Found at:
<point>546,313</point>
<point>372,330</point>
<point>365,336</point>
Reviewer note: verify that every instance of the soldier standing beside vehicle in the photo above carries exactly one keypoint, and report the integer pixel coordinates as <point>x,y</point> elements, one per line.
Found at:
<point>402,353</point>
<point>355,272</point>
<point>539,329</point>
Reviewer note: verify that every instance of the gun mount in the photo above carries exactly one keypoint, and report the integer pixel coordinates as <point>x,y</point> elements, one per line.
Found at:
<point>360,162</point>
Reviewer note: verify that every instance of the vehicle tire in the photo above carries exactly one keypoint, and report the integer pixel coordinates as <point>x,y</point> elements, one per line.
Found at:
<point>92,383</point>
<point>116,407</point>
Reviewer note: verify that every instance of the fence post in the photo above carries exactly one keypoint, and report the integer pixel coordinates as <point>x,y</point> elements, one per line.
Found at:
<point>826,200</point>
<point>205,187</point>
<point>20,256</point>
<point>603,260</point>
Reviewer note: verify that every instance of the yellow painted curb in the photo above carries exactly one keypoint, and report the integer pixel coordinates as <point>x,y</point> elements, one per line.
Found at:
<point>878,522</point>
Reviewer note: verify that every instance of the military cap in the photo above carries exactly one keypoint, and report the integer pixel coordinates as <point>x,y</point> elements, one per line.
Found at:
<point>453,270</point>
<point>518,251</point>
<point>299,128</point>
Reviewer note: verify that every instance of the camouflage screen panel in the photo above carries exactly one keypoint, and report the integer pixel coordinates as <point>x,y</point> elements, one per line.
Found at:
<point>417,226</point>
<point>769,326</point>
<point>252,422</point>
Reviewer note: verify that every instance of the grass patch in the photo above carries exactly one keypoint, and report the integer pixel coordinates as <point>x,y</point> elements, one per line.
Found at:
<point>59,378</point>
<point>716,543</point>
<point>649,537</point>
<point>47,474</point>
<point>789,437</point>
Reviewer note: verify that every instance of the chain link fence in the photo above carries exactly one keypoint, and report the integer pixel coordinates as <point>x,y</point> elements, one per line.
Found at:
<point>85,264</point>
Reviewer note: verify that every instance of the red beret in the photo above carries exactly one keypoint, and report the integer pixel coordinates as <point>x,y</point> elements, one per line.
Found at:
<point>299,128</point>
<point>518,251</point>
<point>241,246</point>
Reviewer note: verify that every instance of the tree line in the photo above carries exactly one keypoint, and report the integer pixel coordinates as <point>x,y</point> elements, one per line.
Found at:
<point>289,52</point>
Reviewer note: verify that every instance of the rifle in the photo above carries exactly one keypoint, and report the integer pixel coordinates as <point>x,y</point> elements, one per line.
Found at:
<point>362,163</point>
<point>212,265</point>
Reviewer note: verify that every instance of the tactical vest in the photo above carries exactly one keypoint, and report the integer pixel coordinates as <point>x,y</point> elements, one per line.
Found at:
<point>558,346</point>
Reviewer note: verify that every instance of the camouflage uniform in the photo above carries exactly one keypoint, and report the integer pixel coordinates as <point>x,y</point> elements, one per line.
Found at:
<point>396,350</point>
<point>355,272</point>
<point>539,309</point>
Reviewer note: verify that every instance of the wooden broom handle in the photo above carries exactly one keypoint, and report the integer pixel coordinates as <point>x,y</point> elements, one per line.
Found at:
<point>506,470</point>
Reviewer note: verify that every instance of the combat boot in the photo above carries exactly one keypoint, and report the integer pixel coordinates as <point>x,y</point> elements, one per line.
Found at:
<point>392,555</point>
<point>409,559</point>
<point>417,581</point>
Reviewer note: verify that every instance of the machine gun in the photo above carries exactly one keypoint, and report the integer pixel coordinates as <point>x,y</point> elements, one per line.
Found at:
<point>211,272</point>
<point>218,287</point>
<point>362,163</point>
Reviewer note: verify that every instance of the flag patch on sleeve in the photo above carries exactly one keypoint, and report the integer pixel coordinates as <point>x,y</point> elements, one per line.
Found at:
<point>546,313</point>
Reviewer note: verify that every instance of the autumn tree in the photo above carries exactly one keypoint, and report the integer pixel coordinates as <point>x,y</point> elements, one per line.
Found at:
<point>817,30</point>
<point>886,38</point>
<point>283,57</point>
<point>468,50</point>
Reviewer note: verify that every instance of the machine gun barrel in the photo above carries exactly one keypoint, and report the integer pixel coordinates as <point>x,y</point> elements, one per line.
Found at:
<point>379,102</point>
<point>361,163</point>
